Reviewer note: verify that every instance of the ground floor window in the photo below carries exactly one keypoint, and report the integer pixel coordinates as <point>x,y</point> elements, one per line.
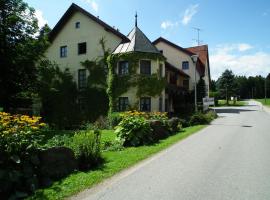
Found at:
<point>122,103</point>
<point>145,104</point>
<point>82,104</point>
<point>82,80</point>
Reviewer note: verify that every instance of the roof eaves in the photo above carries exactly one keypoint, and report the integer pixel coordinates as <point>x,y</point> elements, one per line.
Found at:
<point>74,8</point>
<point>161,39</point>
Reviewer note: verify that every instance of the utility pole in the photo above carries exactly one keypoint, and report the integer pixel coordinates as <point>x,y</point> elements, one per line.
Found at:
<point>198,35</point>
<point>265,90</point>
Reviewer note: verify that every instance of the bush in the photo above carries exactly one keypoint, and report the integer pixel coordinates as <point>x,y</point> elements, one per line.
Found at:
<point>200,118</point>
<point>174,125</point>
<point>20,136</point>
<point>185,123</point>
<point>211,115</point>
<point>86,147</point>
<point>146,115</point>
<point>115,118</point>
<point>134,131</point>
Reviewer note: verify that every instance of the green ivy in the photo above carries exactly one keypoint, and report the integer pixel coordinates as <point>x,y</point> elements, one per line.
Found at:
<point>151,85</point>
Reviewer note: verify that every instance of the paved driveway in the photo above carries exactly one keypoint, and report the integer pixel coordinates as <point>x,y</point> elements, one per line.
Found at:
<point>230,159</point>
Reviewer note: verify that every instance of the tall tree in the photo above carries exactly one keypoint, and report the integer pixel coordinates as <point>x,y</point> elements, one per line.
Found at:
<point>201,90</point>
<point>20,49</point>
<point>227,85</point>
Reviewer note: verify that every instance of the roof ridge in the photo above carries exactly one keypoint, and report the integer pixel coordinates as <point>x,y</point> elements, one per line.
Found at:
<point>74,7</point>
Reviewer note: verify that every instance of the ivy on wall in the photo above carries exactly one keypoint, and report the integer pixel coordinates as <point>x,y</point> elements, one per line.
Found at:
<point>147,85</point>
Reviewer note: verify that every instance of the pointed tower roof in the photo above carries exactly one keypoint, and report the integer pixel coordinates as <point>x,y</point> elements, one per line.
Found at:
<point>138,42</point>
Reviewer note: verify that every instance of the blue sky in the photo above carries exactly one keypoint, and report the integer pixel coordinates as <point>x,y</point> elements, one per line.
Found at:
<point>236,31</point>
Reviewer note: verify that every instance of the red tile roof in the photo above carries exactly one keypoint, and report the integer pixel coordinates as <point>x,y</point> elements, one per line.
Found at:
<point>202,51</point>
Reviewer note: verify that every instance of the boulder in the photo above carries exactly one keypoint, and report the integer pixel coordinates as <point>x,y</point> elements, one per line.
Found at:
<point>57,162</point>
<point>159,129</point>
<point>173,124</point>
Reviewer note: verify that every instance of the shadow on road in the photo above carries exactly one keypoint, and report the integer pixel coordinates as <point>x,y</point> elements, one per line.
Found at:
<point>233,110</point>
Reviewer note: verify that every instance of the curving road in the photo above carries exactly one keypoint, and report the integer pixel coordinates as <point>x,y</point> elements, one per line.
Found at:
<point>230,159</point>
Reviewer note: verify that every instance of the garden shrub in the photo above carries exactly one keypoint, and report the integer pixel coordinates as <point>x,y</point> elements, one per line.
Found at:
<point>201,118</point>
<point>115,118</point>
<point>19,144</point>
<point>134,131</point>
<point>86,147</point>
<point>160,129</point>
<point>211,115</point>
<point>146,115</point>
<point>198,118</point>
<point>174,124</point>
<point>184,122</point>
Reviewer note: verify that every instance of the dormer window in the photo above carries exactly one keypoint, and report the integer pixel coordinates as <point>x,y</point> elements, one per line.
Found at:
<point>77,25</point>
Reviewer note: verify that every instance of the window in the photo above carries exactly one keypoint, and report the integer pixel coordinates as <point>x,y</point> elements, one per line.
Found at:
<point>185,65</point>
<point>123,68</point>
<point>82,104</point>
<point>160,70</point>
<point>145,67</point>
<point>63,51</point>
<point>77,25</point>
<point>160,101</point>
<point>186,84</point>
<point>82,48</point>
<point>122,103</point>
<point>145,104</point>
<point>82,78</point>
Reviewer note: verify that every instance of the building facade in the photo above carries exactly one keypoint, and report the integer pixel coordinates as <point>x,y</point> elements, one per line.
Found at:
<point>152,76</point>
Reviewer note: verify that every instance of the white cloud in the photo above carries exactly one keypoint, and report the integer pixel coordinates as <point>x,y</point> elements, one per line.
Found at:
<point>189,13</point>
<point>225,57</point>
<point>168,24</point>
<point>93,4</point>
<point>40,17</point>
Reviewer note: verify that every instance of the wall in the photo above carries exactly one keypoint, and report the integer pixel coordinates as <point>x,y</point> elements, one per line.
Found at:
<point>176,57</point>
<point>131,93</point>
<point>89,32</point>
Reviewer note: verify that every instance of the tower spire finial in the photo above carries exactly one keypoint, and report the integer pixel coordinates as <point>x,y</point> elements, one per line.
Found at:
<point>136,17</point>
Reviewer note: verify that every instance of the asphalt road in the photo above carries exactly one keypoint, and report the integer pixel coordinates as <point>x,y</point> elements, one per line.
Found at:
<point>230,159</point>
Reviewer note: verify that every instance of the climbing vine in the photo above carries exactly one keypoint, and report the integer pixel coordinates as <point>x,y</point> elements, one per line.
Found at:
<point>150,85</point>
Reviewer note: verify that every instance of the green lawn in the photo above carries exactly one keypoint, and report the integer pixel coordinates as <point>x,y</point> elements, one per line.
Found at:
<point>115,161</point>
<point>263,101</point>
<point>231,103</point>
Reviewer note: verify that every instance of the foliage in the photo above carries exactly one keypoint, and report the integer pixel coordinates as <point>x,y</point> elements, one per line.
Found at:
<point>174,125</point>
<point>115,162</point>
<point>201,90</point>
<point>94,103</point>
<point>115,118</point>
<point>146,115</point>
<point>227,85</point>
<point>146,85</point>
<point>97,69</point>
<point>215,95</point>
<point>58,93</point>
<point>21,46</point>
<point>19,133</point>
<point>200,118</point>
<point>19,142</point>
<point>134,131</point>
<point>86,147</point>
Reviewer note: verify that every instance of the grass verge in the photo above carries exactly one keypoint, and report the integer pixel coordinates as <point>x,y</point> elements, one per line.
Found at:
<point>267,103</point>
<point>231,103</point>
<point>115,161</point>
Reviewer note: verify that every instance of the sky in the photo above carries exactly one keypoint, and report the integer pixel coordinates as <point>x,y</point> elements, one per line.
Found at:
<point>237,32</point>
